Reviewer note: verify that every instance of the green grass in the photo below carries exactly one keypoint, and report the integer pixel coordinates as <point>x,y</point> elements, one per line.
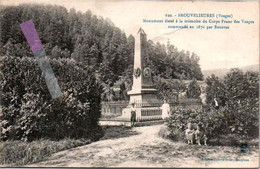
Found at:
<point>15,153</point>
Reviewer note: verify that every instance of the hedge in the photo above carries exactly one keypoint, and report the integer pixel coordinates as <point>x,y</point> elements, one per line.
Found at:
<point>29,113</point>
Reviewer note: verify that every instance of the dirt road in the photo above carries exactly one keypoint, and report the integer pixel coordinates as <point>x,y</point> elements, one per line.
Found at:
<point>148,150</point>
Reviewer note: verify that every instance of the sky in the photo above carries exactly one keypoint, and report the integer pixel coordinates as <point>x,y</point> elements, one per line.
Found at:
<point>226,48</point>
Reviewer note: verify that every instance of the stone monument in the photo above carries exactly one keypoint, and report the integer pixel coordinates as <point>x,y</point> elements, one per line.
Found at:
<point>143,93</point>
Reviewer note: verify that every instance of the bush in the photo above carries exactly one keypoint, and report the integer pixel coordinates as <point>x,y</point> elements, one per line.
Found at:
<point>29,112</point>
<point>163,132</point>
<point>177,123</point>
<point>241,123</point>
<point>237,117</point>
<point>21,153</point>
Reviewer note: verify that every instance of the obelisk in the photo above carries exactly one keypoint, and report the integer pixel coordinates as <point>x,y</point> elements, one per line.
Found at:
<point>142,88</point>
<point>143,94</point>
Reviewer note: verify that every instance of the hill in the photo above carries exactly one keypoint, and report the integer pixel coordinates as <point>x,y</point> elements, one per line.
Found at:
<point>222,72</point>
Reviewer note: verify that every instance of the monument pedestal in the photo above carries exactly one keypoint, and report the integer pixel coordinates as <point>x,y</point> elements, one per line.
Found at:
<point>147,105</point>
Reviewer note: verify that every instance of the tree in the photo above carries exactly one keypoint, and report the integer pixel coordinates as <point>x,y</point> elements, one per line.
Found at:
<point>215,89</point>
<point>241,85</point>
<point>193,90</point>
<point>238,99</point>
<point>168,88</point>
<point>92,41</point>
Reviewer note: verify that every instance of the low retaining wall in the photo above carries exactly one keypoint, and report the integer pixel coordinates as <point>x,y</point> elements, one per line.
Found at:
<point>103,122</point>
<point>114,108</point>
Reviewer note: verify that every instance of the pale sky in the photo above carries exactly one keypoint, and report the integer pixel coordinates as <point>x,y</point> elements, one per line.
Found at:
<point>238,46</point>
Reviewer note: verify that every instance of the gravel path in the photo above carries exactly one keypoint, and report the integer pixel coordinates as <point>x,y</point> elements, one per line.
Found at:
<point>148,150</point>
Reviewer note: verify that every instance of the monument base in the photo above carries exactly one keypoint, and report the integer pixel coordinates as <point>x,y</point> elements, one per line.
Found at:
<point>144,96</point>
<point>147,105</point>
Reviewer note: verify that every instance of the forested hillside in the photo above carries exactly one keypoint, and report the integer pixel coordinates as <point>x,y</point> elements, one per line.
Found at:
<point>222,72</point>
<point>92,40</point>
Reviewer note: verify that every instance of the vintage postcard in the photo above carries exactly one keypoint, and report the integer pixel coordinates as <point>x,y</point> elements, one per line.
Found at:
<point>127,83</point>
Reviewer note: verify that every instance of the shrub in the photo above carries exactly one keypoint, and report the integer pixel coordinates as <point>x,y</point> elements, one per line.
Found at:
<point>29,112</point>
<point>241,122</point>
<point>175,134</point>
<point>177,123</point>
<point>163,132</point>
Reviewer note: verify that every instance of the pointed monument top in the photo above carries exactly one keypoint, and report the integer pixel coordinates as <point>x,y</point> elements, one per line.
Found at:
<point>141,31</point>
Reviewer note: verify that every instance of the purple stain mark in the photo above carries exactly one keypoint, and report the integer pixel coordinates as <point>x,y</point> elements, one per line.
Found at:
<point>31,35</point>
<point>33,39</point>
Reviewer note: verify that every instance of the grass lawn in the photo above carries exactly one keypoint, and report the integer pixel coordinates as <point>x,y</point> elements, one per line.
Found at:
<point>19,152</point>
<point>15,153</point>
